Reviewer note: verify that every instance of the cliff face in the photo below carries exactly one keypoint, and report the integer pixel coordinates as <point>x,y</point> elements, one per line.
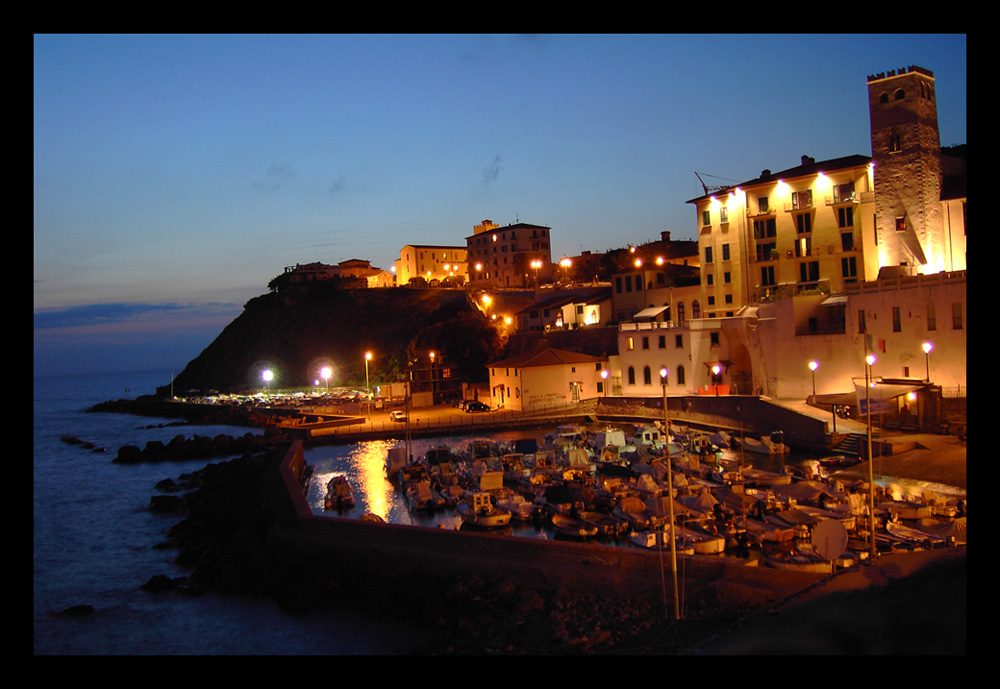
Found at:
<point>294,332</point>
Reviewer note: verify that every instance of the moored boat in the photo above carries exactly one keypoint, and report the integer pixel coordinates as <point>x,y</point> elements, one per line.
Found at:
<point>659,539</point>
<point>574,528</point>
<point>339,494</point>
<point>802,558</point>
<point>478,510</point>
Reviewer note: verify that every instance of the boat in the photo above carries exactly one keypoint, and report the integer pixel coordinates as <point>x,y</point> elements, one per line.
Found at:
<point>658,540</point>
<point>759,477</point>
<point>339,494</point>
<point>635,512</point>
<point>478,510</point>
<point>520,509</point>
<point>765,532</point>
<point>905,509</point>
<point>701,538</point>
<point>574,528</point>
<point>702,445</point>
<point>802,558</point>
<point>766,445</point>
<point>421,496</point>
<point>606,524</point>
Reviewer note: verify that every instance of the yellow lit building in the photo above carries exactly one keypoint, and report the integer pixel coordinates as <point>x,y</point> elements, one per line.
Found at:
<point>434,264</point>
<point>517,255</point>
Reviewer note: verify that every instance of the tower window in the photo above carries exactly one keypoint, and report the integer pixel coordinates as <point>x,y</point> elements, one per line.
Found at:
<point>900,94</point>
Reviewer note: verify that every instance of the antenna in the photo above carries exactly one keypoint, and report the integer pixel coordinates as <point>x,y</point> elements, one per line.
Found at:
<point>708,189</point>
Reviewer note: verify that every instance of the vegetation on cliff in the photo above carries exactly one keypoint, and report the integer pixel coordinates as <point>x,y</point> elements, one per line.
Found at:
<point>296,331</point>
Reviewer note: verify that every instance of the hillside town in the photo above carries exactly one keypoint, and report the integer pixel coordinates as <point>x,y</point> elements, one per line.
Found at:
<point>803,283</point>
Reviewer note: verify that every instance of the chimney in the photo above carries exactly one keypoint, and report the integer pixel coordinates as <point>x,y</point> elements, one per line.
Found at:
<point>807,160</point>
<point>665,236</point>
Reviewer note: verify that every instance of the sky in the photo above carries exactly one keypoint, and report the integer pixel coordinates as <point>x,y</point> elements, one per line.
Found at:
<point>176,175</point>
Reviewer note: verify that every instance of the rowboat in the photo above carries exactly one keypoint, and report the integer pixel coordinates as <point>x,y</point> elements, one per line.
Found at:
<point>339,494</point>
<point>802,559</point>
<point>574,528</point>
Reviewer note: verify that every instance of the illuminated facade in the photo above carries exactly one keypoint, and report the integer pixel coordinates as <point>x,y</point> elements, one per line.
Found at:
<point>517,255</point>
<point>435,264</point>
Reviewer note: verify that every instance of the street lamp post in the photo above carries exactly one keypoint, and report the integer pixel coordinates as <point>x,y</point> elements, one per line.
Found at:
<point>604,374</point>
<point>715,375</point>
<point>325,374</point>
<point>670,493</point>
<point>268,376</point>
<point>368,390</point>
<point>927,347</point>
<point>869,360</point>
<point>813,365</point>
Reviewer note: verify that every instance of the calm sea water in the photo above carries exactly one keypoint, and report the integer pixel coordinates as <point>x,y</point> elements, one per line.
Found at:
<point>94,544</point>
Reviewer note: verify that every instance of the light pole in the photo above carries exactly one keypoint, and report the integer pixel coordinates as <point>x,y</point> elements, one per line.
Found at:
<point>368,390</point>
<point>715,375</point>
<point>870,359</point>
<point>813,365</point>
<point>268,376</point>
<point>604,374</point>
<point>927,347</point>
<point>536,264</point>
<point>670,493</point>
<point>325,374</point>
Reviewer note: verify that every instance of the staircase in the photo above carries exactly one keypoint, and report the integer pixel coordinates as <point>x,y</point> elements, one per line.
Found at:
<point>852,444</point>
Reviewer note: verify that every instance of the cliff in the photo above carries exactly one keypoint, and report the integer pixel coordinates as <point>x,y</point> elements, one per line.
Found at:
<point>293,332</point>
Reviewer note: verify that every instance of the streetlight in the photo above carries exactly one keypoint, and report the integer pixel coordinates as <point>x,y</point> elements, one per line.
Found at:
<point>870,359</point>
<point>604,375</point>
<point>813,365</point>
<point>368,390</point>
<point>268,376</point>
<point>670,493</point>
<point>715,375</point>
<point>536,264</point>
<point>325,374</point>
<point>927,347</point>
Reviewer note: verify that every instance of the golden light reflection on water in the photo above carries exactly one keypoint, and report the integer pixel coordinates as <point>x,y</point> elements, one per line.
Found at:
<point>368,459</point>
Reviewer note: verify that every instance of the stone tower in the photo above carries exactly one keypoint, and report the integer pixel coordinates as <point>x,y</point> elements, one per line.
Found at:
<point>906,151</point>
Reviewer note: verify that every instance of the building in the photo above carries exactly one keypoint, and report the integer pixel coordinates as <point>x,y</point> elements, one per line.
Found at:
<point>433,264</point>
<point>806,272</point>
<point>545,377</point>
<point>567,309</point>
<point>517,255</point>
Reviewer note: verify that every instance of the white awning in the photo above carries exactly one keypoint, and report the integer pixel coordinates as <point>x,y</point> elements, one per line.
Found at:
<point>835,300</point>
<point>651,312</point>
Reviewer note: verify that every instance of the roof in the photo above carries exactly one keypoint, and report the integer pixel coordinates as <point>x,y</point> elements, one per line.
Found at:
<point>651,312</point>
<point>545,357</point>
<point>577,296</point>
<point>808,166</point>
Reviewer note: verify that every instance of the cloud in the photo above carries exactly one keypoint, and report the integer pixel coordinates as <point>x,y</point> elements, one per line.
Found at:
<point>98,315</point>
<point>491,171</point>
<point>337,185</point>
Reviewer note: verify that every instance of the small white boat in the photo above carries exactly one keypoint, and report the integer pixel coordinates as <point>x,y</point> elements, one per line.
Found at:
<point>421,496</point>
<point>659,540</point>
<point>480,511</point>
<point>759,477</point>
<point>701,539</point>
<point>606,524</point>
<point>802,559</point>
<point>520,509</point>
<point>904,509</point>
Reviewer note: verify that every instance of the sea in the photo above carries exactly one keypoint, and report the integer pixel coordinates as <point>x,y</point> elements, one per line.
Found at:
<point>96,544</point>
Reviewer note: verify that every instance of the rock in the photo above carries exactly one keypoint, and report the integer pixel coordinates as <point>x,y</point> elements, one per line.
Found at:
<point>159,583</point>
<point>78,611</point>
<point>165,504</point>
<point>128,454</point>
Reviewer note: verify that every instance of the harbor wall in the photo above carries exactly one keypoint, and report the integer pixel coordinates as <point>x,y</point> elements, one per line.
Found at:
<point>396,553</point>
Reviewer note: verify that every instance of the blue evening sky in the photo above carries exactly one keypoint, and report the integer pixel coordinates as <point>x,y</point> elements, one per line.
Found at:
<point>175,175</point>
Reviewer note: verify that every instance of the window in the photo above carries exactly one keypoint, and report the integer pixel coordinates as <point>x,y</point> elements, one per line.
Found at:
<point>843,192</point>
<point>706,218</point>
<point>645,342</point>
<point>762,204</point>
<point>708,254</point>
<point>849,267</point>
<point>897,322</point>
<point>765,228</point>
<point>714,339</point>
<point>803,247</point>
<point>767,276</point>
<point>931,318</point>
<point>630,344</point>
<point>725,252</point>
<point>862,325</point>
<point>729,299</point>
<point>696,309</point>
<point>845,216</point>
<point>662,342</point>
<point>631,376</point>
<point>680,375</point>
<point>847,241</point>
<point>727,277</point>
<point>956,315</point>
<point>679,341</point>
<point>802,199</point>
<point>647,376</point>
<point>767,251</point>
<point>809,271</point>
<point>900,224</point>
<point>723,214</point>
<point>803,223</point>
<point>710,279</point>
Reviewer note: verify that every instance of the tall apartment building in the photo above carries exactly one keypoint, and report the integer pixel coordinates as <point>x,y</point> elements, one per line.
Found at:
<point>517,255</point>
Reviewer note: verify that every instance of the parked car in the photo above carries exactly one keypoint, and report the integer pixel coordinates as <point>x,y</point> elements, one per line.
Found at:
<point>476,406</point>
<point>397,415</point>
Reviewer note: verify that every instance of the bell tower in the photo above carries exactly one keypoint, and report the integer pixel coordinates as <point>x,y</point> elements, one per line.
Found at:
<point>906,151</point>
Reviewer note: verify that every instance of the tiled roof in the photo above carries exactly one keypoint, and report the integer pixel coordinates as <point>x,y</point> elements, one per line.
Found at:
<point>545,357</point>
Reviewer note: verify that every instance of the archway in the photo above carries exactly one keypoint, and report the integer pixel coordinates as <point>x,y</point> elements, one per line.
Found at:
<point>741,370</point>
